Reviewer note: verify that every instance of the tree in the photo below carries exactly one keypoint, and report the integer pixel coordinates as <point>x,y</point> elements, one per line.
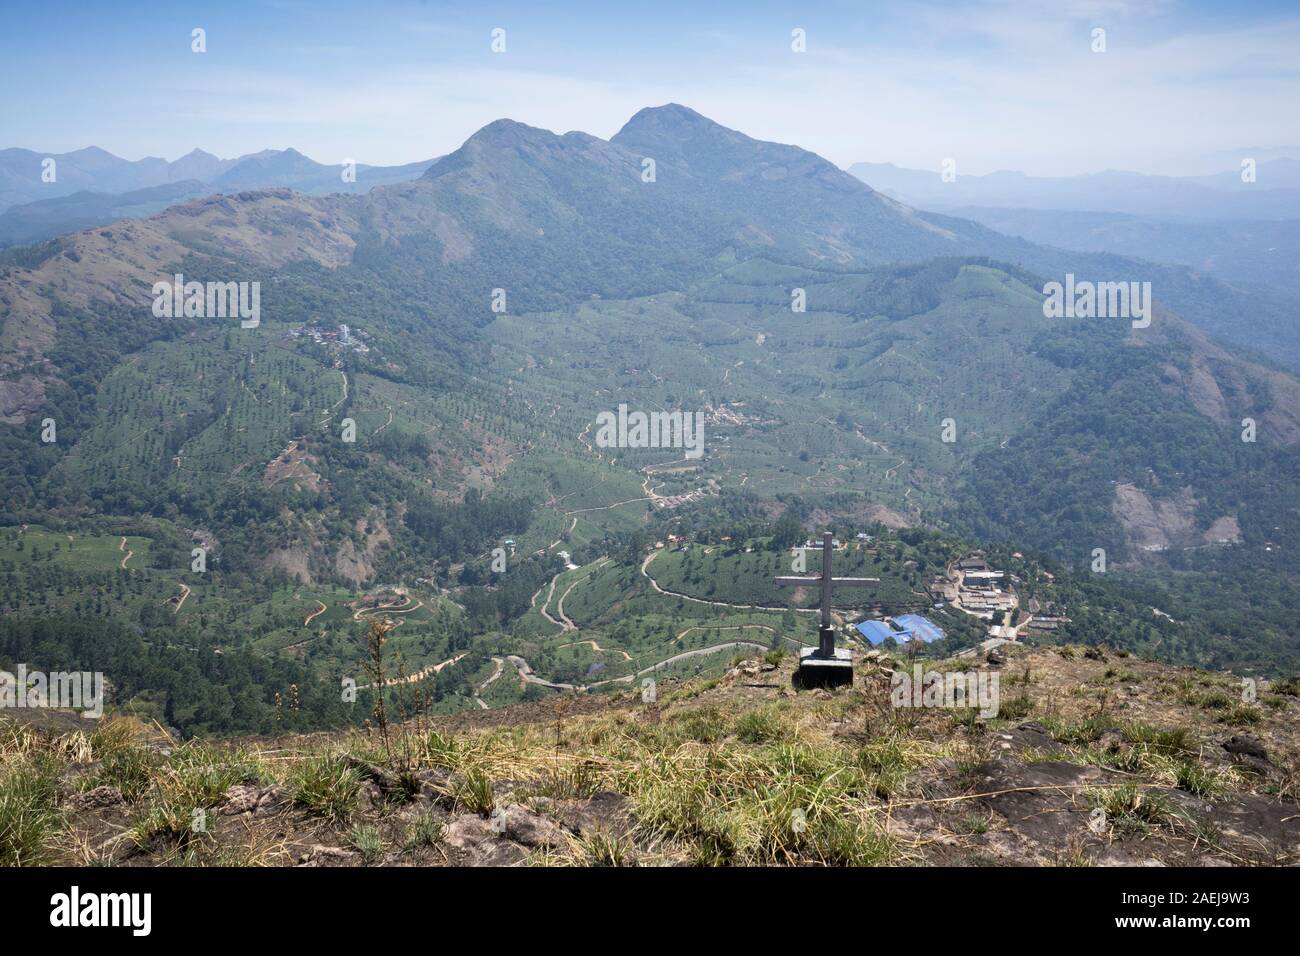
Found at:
<point>787,532</point>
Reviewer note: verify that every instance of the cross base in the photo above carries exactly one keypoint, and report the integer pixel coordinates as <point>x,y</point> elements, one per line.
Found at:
<point>818,670</point>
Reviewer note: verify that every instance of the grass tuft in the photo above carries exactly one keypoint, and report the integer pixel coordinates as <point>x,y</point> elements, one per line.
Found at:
<point>30,817</point>
<point>426,830</point>
<point>326,787</point>
<point>366,841</point>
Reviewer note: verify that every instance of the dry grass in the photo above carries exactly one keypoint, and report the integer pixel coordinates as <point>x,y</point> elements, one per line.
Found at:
<point>708,776</point>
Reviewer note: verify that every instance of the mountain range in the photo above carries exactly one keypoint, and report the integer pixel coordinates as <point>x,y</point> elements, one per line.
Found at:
<point>1274,193</point>
<point>1244,234</point>
<point>497,303</point>
<point>91,185</point>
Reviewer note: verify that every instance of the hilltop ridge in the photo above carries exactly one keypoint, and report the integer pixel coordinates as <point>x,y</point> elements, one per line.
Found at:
<point>1095,758</point>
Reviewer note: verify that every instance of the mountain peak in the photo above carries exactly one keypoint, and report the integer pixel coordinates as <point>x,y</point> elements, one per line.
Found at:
<point>93,157</point>
<point>498,139</point>
<point>93,151</point>
<point>508,132</point>
<point>676,135</point>
<point>671,117</point>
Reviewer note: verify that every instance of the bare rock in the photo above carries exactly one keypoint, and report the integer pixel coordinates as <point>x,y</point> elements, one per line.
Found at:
<point>384,779</point>
<point>603,812</point>
<point>322,855</point>
<point>241,798</point>
<point>271,799</point>
<point>1037,799</point>
<point>1110,739</point>
<point>95,799</point>
<point>480,843</point>
<point>1033,736</point>
<point>532,829</point>
<point>1244,745</point>
<point>252,799</point>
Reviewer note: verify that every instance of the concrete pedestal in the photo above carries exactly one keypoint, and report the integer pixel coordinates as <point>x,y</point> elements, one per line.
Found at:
<point>819,670</point>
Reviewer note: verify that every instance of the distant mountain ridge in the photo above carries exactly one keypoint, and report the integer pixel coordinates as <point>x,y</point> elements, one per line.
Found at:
<point>34,221</point>
<point>97,171</point>
<point>1275,193</point>
<point>1264,253</point>
<point>1216,230</point>
<point>762,195</point>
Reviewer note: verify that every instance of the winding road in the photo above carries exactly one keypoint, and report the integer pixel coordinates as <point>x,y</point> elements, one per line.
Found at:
<point>686,597</point>
<point>598,649</point>
<point>525,670</point>
<point>420,674</point>
<point>567,624</point>
<point>501,666</point>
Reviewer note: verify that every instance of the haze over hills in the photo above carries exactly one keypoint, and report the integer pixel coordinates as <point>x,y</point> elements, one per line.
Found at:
<point>673,291</point>
<point>1245,235</point>
<point>1261,254</point>
<point>98,170</point>
<point>45,218</point>
<point>29,210</point>
<point>862,231</point>
<point>1274,194</point>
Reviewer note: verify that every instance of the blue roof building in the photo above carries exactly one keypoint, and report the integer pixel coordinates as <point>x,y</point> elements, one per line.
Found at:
<point>875,632</point>
<point>921,627</point>
<point>912,625</point>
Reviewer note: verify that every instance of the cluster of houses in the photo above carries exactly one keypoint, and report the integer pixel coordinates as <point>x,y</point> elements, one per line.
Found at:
<point>676,501</point>
<point>1045,617</point>
<point>981,590</point>
<point>342,337</point>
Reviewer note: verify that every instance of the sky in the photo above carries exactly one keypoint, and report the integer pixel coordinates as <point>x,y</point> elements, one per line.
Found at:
<point>1181,88</point>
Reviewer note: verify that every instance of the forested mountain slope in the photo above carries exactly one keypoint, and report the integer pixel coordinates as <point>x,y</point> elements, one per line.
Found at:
<point>522,286</point>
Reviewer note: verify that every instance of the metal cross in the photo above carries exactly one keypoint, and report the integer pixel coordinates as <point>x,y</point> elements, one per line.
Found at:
<point>826,582</point>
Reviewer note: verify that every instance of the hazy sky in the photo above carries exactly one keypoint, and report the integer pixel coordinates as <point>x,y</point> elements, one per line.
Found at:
<point>1183,87</point>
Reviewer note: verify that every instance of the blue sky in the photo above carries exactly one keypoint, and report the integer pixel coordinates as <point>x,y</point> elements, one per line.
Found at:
<point>1008,84</point>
